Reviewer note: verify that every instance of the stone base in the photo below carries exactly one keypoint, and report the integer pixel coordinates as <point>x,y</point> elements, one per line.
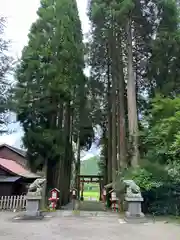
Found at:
<point>76,205</point>
<point>138,218</point>
<point>33,196</point>
<point>39,216</point>
<point>33,213</point>
<point>134,207</point>
<point>33,207</point>
<point>135,220</point>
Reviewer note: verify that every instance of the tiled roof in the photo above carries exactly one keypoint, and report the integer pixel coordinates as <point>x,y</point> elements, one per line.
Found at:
<point>16,168</point>
<point>9,179</point>
<point>14,149</point>
<point>19,151</point>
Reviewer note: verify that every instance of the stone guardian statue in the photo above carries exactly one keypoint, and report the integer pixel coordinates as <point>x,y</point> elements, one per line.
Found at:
<point>36,187</point>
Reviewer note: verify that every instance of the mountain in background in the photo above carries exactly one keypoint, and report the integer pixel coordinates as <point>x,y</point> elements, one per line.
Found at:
<point>90,166</point>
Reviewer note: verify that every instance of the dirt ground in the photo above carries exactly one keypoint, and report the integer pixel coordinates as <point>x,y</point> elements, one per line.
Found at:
<point>64,226</point>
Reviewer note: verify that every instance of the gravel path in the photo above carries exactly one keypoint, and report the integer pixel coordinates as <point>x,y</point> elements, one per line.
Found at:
<point>92,227</point>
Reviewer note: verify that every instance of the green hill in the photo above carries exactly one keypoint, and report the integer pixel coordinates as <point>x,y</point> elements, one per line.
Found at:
<point>90,166</point>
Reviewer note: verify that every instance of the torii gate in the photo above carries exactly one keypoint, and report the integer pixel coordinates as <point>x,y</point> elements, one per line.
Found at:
<point>90,179</point>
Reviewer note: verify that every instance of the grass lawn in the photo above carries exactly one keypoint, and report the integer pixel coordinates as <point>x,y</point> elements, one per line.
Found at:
<point>92,194</point>
<point>91,190</point>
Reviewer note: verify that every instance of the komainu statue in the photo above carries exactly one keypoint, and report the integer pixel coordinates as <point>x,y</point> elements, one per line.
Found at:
<point>36,186</point>
<point>132,190</point>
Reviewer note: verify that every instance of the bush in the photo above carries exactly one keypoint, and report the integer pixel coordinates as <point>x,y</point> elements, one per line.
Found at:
<point>164,200</point>
<point>160,189</point>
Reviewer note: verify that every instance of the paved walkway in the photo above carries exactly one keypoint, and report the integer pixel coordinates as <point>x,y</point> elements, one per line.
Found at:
<point>91,206</point>
<point>90,227</point>
<point>86,206</point>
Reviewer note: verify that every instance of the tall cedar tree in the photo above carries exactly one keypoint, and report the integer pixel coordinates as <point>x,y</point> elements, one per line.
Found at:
<point>47,95</point>
<point>132,55</point>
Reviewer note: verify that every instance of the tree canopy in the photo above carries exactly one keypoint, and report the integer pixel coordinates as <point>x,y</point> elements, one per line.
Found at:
<point>50,95</point>
<point>6,64</point>
<point>132,92</point>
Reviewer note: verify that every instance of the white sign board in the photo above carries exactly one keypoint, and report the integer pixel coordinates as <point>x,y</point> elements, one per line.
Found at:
<point>54,195</point>
<point>74,193</point>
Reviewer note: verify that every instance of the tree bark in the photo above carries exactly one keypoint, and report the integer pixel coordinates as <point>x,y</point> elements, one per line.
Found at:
<point>78,164</point>
<point>121,111</point>
<point>114,119</point>
<point>59,170</point>
<point>43,200</point>
<point>132,105</point>
<point>109,124</point>
<point>67,160</point>
<point>105,154</point>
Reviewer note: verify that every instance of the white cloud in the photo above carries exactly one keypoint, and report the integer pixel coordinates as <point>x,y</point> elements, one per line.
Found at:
<point>82,7</point>
<point>87,156</point>
<point>91,153</point>
<point>9,139</point>
<point>20,15</point>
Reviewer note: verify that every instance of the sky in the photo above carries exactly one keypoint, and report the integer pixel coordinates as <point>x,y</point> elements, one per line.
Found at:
<point>20,15</point>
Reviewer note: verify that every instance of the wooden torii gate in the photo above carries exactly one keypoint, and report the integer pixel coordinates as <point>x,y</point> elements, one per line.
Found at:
<point>90,179</point>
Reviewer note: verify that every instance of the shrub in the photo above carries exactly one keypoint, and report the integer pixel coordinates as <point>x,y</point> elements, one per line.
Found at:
<point>160,188</point>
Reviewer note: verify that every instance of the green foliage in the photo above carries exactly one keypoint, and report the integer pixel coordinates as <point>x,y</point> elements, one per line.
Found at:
<point>155,58</point>
<point>56,104</point>
<point>156,41</point>
<point>51,87</point>
<point>160,188</point>
<point>143,178</point>
<point>163,68</point>
<point>162,136</point>
<point>160,178</point>
<point>174,171</point>
<point>90,166</point>
<point>6,65</point>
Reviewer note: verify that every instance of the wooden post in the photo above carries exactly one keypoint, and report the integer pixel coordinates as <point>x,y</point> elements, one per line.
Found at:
<point>74,197</point>
<point>78,189</point>
<point>100,188</point>
<point>43,200</point>
<point>82,190</point>
<point>119,205</point>
<point>104,198</point>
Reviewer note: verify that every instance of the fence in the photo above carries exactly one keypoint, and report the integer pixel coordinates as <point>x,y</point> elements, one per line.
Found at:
<point>12,202</point>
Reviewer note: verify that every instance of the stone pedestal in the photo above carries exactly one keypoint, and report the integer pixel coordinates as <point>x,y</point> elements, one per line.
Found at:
<point>76,205</point>
<point>33,205</point>
<point>134,212</point>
